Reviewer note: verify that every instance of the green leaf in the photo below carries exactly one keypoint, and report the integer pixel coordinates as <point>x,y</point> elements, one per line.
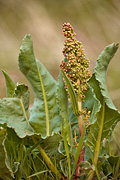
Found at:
<point>10,85</point>
<point>89,100</point>
<point>5,170</point>
<point>111,166</point>
<point>100,72</point>
<point>71,93</point>
<point>92,104</point>
<point>106,116</point>
<point>107,110</point>
<point>38,173</point>
<point>62,100</point>
<point>13,112</point>
<point>51,144</point>
<point>85,166</point>
<point>18,99</point>
<point>44,115</point>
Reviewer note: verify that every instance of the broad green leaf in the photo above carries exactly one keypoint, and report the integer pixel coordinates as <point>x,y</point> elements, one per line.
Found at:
<point>10,85</point>
<point>13,112</point>
<point>44,116</point>
<point>112,146</point>
<point>71,93</point>
<point>107,116</point>
<point>5,170</point>
<point>92,104</point>
<point>111,166</point>
<point>51,144</point>
<point>89,100</point>
<point>108,110</point>
<point>100,72</point>
<point>62,101</point>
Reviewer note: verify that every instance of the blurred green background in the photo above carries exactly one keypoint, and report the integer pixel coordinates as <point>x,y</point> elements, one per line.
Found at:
<point>96,22</point>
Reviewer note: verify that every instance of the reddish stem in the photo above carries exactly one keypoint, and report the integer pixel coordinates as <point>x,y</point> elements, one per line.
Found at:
<point>81,158</point>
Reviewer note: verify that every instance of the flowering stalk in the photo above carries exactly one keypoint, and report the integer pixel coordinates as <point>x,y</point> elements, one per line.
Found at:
<point>77,70</point>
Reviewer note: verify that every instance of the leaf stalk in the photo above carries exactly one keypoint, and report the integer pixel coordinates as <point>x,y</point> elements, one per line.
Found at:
<point>48,161</point>
<point>97,148</point>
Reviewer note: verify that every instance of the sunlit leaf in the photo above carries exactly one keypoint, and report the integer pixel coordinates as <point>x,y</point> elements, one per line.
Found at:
<point>13,112</point>
<point>107,116</point>
<point>44,116</point>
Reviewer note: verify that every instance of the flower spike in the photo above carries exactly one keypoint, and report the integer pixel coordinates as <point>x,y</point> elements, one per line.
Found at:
<point>76,66</point>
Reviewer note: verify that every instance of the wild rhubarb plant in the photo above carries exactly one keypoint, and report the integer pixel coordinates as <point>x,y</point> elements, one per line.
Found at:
<point>67,131</point>
<point>77,70</point>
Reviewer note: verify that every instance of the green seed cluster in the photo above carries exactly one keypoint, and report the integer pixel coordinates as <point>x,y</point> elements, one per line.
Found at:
<point>77,67</point>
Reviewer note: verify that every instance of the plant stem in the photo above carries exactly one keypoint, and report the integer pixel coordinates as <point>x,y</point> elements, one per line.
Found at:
<point>48,161</point>
<point>80,119</point>
<point>81,126</point>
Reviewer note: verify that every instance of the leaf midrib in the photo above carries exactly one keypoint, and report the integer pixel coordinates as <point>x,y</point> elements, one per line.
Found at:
<point>98,142</point>
<point>45,101</point>
<point>23,109</point>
